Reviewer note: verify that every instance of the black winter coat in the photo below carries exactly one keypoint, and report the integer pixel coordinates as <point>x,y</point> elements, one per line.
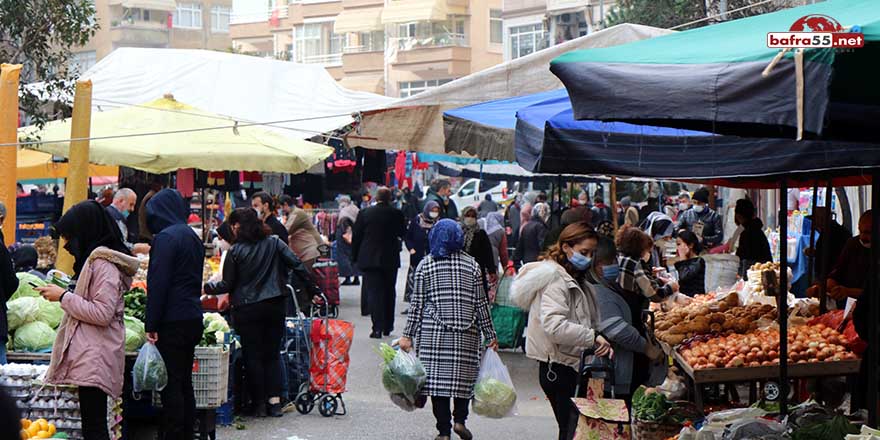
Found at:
<point>753,246</point>
<point>531,242</point>
<point>8,286</point>
<point>691,276</point>
<point>376,236</point>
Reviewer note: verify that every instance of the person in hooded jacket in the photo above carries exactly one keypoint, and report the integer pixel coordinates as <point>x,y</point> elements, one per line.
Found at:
<point>753,244</point>
<point>532,236</point>
<point>90,343</point>
<point>416,241</point>
<point>563,318</point>
<point>174,308</point>
<point>253,274</point>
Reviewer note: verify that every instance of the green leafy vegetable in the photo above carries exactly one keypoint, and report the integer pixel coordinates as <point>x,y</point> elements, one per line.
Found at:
<point>650,406</point>
<point>34,336</point>
<point>22,311</point>
<point>837,427</point>
<point>213,323</point>
<point>136,303</point>
<point>135,336</point>
<point>493,398</point>
<point>50,313</point>
<point>24,286</point>
<point>149,373</point>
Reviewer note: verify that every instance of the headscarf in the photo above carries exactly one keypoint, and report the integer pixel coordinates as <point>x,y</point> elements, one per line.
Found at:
<point>469,231</point>
<point>87,226</point>
<point>425,220</point>
<point>445,238</point>
<point>494,222</point>
<point>349,212</point>
<point>525,215</point>
<point>658,225</point>
<point>541,212</point>
<point>343,201</point>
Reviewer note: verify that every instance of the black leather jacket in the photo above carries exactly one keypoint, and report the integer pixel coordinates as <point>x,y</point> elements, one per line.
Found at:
<point>254,272</point>
<point>691,276</point>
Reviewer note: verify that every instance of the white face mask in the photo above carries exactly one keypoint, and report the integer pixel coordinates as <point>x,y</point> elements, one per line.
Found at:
<point>683,206</point>
<point>699,208</point>
<point>259,213</point>
<point>433,214</point>
<point>470,221</point>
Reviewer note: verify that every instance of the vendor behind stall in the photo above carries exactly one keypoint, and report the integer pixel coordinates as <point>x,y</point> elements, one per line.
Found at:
<point>848,276</point>
<point>753,244</point>
<point>831,235</point>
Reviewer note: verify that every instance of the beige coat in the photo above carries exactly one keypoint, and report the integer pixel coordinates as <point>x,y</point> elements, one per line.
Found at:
<point>562,313</point>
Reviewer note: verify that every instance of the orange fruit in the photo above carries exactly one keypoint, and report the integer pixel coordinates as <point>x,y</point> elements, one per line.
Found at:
<point>51,429</point>
<point>43,434</point>
<point>24,435</point>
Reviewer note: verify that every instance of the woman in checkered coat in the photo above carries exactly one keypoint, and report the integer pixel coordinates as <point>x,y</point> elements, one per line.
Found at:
<point>449,312</point>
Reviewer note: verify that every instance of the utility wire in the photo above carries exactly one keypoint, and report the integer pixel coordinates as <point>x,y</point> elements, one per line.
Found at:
<point>720,15</point>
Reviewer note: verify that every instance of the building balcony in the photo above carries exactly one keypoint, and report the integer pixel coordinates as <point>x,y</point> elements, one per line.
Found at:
<point>451,61</point>
<point>148,33</point>
<point>362,61</point>
<point>327,60</point>
<point>346,4</point>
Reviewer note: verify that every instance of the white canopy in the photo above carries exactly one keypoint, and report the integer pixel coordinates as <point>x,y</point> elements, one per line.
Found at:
<point>416,123</point>
<point>242,87</point>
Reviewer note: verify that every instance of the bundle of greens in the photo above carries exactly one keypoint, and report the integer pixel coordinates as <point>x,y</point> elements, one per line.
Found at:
<point>403,375</point>
<point>136,303</point>
<point>837,427</point>
<point>149,373</point>
<point>214,324</point>
<point>650,406</point>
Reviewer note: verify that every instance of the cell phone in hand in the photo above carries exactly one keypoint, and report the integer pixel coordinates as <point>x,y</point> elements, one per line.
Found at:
<point>34,285</point>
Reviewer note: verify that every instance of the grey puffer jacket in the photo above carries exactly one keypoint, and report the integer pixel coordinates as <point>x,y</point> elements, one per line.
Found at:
<point>563,314</point>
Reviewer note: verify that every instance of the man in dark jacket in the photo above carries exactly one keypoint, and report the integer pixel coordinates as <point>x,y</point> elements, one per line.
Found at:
<point>174,307</point>
<point>832,235</point>
<point>263,203</point>
<point>753,244</point>
<point>8,286</point>
<point>376,250</point>
<point>702,220</point>
<point>439,192</point>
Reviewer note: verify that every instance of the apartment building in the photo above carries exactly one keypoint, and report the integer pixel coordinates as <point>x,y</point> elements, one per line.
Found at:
<point>183,24</point>
<point>532,25</point>
<point>393,47</point>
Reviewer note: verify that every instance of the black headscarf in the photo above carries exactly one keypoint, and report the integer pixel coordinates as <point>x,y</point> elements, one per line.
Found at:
<point>87,226</point>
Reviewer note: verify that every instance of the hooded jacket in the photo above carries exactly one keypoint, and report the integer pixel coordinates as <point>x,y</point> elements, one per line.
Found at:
<point>89,348</point>
<point>563,315</point>
<point>177,260</point>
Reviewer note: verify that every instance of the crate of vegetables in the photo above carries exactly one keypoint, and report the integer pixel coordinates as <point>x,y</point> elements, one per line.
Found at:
<point>813,351</point>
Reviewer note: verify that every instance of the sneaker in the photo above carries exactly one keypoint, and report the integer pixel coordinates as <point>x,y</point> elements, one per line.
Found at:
<point>376,335</point>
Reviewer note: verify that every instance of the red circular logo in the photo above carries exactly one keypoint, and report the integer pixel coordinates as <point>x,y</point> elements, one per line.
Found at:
<point>816,23</point>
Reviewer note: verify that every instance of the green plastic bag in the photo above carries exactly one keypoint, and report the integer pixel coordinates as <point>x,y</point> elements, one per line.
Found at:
<point>509,324</point>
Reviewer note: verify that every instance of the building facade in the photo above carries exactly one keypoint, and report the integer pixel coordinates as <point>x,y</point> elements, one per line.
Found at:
<point>392,47</point>
<point>182,24</point>
<point>532,25</point>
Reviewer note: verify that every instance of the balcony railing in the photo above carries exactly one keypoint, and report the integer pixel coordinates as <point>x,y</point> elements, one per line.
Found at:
<point>438,40</point>
<point>257,17</point>
<point>363,49</point>
<point>332,59</point>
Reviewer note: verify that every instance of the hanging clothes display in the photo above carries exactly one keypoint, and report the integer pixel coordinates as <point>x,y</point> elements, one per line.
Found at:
<point>373,163</point>
<point>273,183</point>
<point>186,181</point>
<point>225,181</point>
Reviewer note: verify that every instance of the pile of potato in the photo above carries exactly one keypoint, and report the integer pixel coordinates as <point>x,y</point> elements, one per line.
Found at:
<point>699,318</point>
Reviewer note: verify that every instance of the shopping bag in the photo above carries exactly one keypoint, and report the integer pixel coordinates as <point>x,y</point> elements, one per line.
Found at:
<point>403,376</point>
<point>494,394</point>
<point>149,373</point>
<point>509,322</point>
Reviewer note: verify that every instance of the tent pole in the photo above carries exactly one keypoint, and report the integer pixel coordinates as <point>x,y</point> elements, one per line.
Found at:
<point>782,300</point>
<point>811,260</point>
<point>826,253</point>
<point>9,80</point>
<point>614,203</point>
<point>873,354</point>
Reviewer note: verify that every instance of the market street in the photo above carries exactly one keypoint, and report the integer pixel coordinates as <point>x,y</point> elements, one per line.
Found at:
<point>371,415</point>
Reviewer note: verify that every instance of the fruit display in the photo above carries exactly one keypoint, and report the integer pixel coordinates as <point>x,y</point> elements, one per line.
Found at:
<point>806,344</point>
<point>39,428</point>
<point>723,315</point>
<point>760,267</point>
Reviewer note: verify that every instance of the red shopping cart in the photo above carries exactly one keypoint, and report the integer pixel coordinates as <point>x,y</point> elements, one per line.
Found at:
<point>328,370</point>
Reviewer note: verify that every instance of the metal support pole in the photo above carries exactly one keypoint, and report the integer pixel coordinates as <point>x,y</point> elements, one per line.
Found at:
<point>873,352</point>
<point>811,260</point>
<point>782,300</point>
<point>613,198</point>
<point>826,252</point>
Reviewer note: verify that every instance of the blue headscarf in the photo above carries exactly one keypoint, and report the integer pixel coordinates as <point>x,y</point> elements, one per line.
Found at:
<point>446,238</point>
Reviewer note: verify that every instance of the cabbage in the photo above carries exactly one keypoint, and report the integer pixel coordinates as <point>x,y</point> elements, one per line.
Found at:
<point>135,336</point>
<point>24,287</point>
<point>22,311</point>
<point>493,398</point>
<point>50,313</point>
<point>213,323</point>
<point>34,336</point>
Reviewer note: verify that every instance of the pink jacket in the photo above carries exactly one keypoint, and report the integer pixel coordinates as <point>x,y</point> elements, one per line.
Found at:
<point>89,349</point>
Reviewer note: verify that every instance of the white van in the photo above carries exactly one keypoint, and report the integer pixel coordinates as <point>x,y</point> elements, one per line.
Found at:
<point>473,191</point>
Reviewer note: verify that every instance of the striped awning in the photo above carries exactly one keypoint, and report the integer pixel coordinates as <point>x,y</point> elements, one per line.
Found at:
<point>405,11</point>
<point>359,20</point>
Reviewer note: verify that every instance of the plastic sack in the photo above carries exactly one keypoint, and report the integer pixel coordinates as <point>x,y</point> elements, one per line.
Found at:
<point>22,311</point>
<point>149,373</point>
<point>403,376</point>
<point>755,428</point>
<point>494,394</point>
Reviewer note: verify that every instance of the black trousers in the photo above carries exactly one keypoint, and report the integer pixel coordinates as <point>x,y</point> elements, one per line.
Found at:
<point>558,382</point>
<point>93,409</point>
<point>177,344</point>
<point>380,285</point>
<point>261,326</point>
<point>440,405</point>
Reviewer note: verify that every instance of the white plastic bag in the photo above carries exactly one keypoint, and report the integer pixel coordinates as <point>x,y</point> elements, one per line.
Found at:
<point>149,373</point>
<point>494,394</point>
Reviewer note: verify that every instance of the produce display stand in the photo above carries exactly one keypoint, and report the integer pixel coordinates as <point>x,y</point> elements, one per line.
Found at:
<point>752,375</point>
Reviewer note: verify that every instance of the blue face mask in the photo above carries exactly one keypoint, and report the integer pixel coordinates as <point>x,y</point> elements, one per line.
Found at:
<point>125,213</point>
<point>610,272</point>
<point>579,261</point>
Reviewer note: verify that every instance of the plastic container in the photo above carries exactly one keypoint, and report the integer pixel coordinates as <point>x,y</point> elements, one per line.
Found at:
<point>210,378</point>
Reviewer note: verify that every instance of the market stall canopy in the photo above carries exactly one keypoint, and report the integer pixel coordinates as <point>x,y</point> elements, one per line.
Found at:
<point>710,78</point>
<point>416,123</point>
<point>166,135</point>
<point>246,88</point>
<point>34,165</point>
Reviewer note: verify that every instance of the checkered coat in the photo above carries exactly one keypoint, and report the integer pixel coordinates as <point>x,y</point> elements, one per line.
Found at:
<point>449,311</point>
